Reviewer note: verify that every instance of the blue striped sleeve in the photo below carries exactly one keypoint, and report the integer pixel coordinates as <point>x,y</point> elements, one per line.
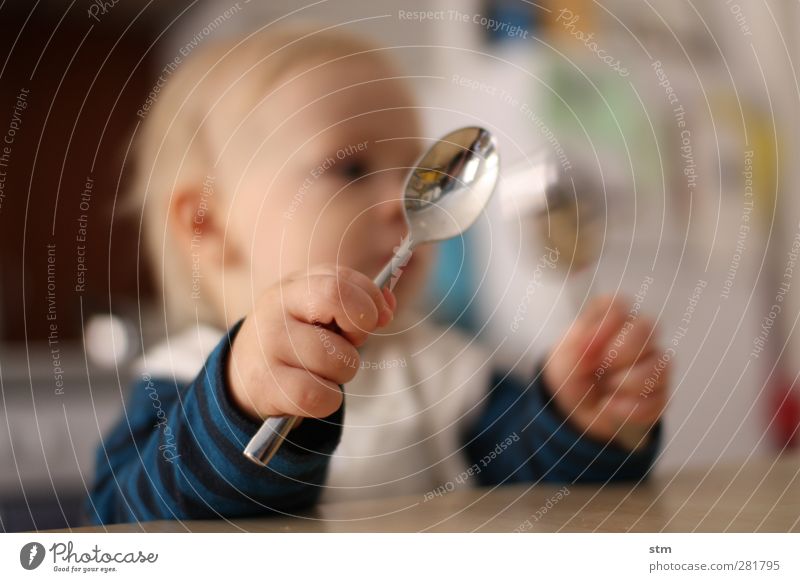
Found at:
<point>176,453</point>
<point>521,437</point>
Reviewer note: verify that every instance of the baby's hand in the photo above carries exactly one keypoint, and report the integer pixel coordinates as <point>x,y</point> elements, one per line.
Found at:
<point>605,374</point>
<point>299,343</point>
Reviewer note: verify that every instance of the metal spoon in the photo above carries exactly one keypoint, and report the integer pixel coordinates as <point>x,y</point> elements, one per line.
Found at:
<point>445,194</point>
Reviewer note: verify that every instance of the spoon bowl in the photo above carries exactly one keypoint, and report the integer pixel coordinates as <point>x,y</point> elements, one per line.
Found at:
<point>451,184</point>
<point>446,191</point>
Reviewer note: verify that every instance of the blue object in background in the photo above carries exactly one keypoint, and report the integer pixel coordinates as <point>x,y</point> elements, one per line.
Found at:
<point>451,288</point>
<point>512,13</point>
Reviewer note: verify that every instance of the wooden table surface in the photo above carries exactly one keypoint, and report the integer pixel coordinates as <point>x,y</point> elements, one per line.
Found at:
<point>757,496</point>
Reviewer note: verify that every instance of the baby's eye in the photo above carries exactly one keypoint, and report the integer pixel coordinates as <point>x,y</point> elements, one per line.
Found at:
<point>352,169</point>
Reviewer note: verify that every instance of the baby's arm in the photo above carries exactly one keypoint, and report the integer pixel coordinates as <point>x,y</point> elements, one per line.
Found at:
<point>521,437</point>
<point>289,357</point>
<point>177,454</point>
<point>591,414</point>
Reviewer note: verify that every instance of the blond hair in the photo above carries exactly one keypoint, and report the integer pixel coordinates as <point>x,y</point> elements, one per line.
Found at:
<point>171,153</point>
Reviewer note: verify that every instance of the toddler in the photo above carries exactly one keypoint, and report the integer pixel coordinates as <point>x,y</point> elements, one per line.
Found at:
<point>270,172</point>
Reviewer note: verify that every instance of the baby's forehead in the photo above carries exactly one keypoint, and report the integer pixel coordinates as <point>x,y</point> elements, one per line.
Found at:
<point>342,89</point>
<point>336,99</point>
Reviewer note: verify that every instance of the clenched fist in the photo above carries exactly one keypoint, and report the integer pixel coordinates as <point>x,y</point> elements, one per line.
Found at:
<point>606,376</point>
<point>299,343</point>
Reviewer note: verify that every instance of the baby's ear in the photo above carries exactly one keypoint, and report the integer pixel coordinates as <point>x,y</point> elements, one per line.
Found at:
<point>193,222</point>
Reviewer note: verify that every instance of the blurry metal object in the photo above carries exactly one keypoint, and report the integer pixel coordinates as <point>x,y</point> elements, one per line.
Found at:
<point>445,194</point>
<point>562,205</point>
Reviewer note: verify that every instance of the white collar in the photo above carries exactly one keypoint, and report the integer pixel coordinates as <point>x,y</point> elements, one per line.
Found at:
<point>181,356</point>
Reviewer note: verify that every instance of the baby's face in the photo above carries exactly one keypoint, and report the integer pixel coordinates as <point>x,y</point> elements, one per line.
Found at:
<point>322,178</point>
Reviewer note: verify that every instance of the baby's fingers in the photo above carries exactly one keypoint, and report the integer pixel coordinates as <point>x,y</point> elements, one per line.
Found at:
<point>333,303</point>
<point>595,329</point>
<point>635,343</point>
<point>638,410</point>
<point>303,393</point>
<point>647,377</point>
<point>638,394</point>
<point>320,351</point>
<point>382,302</point>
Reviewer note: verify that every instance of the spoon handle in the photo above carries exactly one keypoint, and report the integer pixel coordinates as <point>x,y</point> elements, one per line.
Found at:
<point>395,266</point>
<point>269,438</point>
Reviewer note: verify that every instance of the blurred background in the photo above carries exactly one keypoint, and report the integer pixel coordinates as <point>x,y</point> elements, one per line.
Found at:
<point>675,123</point>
